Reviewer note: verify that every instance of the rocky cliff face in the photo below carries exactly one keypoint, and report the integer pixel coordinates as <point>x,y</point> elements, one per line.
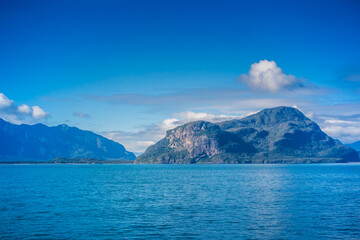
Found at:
<point>39,142</point>
<point>276,135</point>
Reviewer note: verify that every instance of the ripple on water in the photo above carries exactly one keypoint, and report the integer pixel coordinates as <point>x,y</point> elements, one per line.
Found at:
<point>180,201</point>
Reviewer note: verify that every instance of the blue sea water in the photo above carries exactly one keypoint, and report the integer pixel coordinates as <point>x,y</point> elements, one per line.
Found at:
<point>180,201</point>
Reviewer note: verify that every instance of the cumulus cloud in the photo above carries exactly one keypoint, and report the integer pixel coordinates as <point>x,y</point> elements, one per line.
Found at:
<point>38,113</point>
<point>267,76</point>
<point>9,111</point>
<point>24,109</point>
<point>5,101</point>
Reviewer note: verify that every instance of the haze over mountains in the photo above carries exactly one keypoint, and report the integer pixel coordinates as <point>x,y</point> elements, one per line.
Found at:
<point>355,145</point>
<point>275,135</point>
<point>42,143</point>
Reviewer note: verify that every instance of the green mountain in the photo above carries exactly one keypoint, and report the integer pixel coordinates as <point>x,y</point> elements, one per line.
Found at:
<point>275,135</point>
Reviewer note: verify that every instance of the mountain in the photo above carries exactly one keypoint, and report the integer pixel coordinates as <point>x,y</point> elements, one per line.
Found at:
<point>275,135</point>
<point>42,143</point>
<point>355,145</point>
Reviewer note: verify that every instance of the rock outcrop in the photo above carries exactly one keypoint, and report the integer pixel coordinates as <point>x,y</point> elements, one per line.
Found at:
<point>276,135</point>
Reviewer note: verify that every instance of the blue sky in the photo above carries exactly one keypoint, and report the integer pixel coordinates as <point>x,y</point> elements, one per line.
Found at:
<point>132,69</point>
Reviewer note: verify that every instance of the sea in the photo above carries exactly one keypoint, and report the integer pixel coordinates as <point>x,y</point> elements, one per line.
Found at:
<point>270,201</point>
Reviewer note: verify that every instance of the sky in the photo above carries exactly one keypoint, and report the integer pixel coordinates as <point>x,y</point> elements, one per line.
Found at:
<point>130,70</point>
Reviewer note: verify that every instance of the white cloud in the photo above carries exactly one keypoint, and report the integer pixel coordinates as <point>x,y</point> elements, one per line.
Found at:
<point>346,128</point>
<point>190,116</point>
<point>5,101</point>
<point>24,109</point>
<point>347,131</point>
<point>38,112</point>
<point>10,112</point>
<point>267,76</point>
<point>169,123</point>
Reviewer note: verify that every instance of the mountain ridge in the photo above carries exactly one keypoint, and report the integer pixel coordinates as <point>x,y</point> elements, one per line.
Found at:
<point>281,134</point>
<point>39,142</point>
<point>355,145</point>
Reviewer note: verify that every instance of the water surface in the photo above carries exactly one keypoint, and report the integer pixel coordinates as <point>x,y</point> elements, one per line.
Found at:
<point>180,201</point>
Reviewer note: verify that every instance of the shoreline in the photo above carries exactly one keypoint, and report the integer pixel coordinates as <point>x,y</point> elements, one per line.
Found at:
<point>132,163</point>
<point>53,163</point>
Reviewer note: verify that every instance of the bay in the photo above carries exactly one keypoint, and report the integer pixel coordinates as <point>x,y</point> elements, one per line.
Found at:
<point>305,201</point>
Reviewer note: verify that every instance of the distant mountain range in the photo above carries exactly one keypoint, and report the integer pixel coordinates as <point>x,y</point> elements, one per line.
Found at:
<point>42,143</point>
<point>355,145</point>
<point>275,135</point>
